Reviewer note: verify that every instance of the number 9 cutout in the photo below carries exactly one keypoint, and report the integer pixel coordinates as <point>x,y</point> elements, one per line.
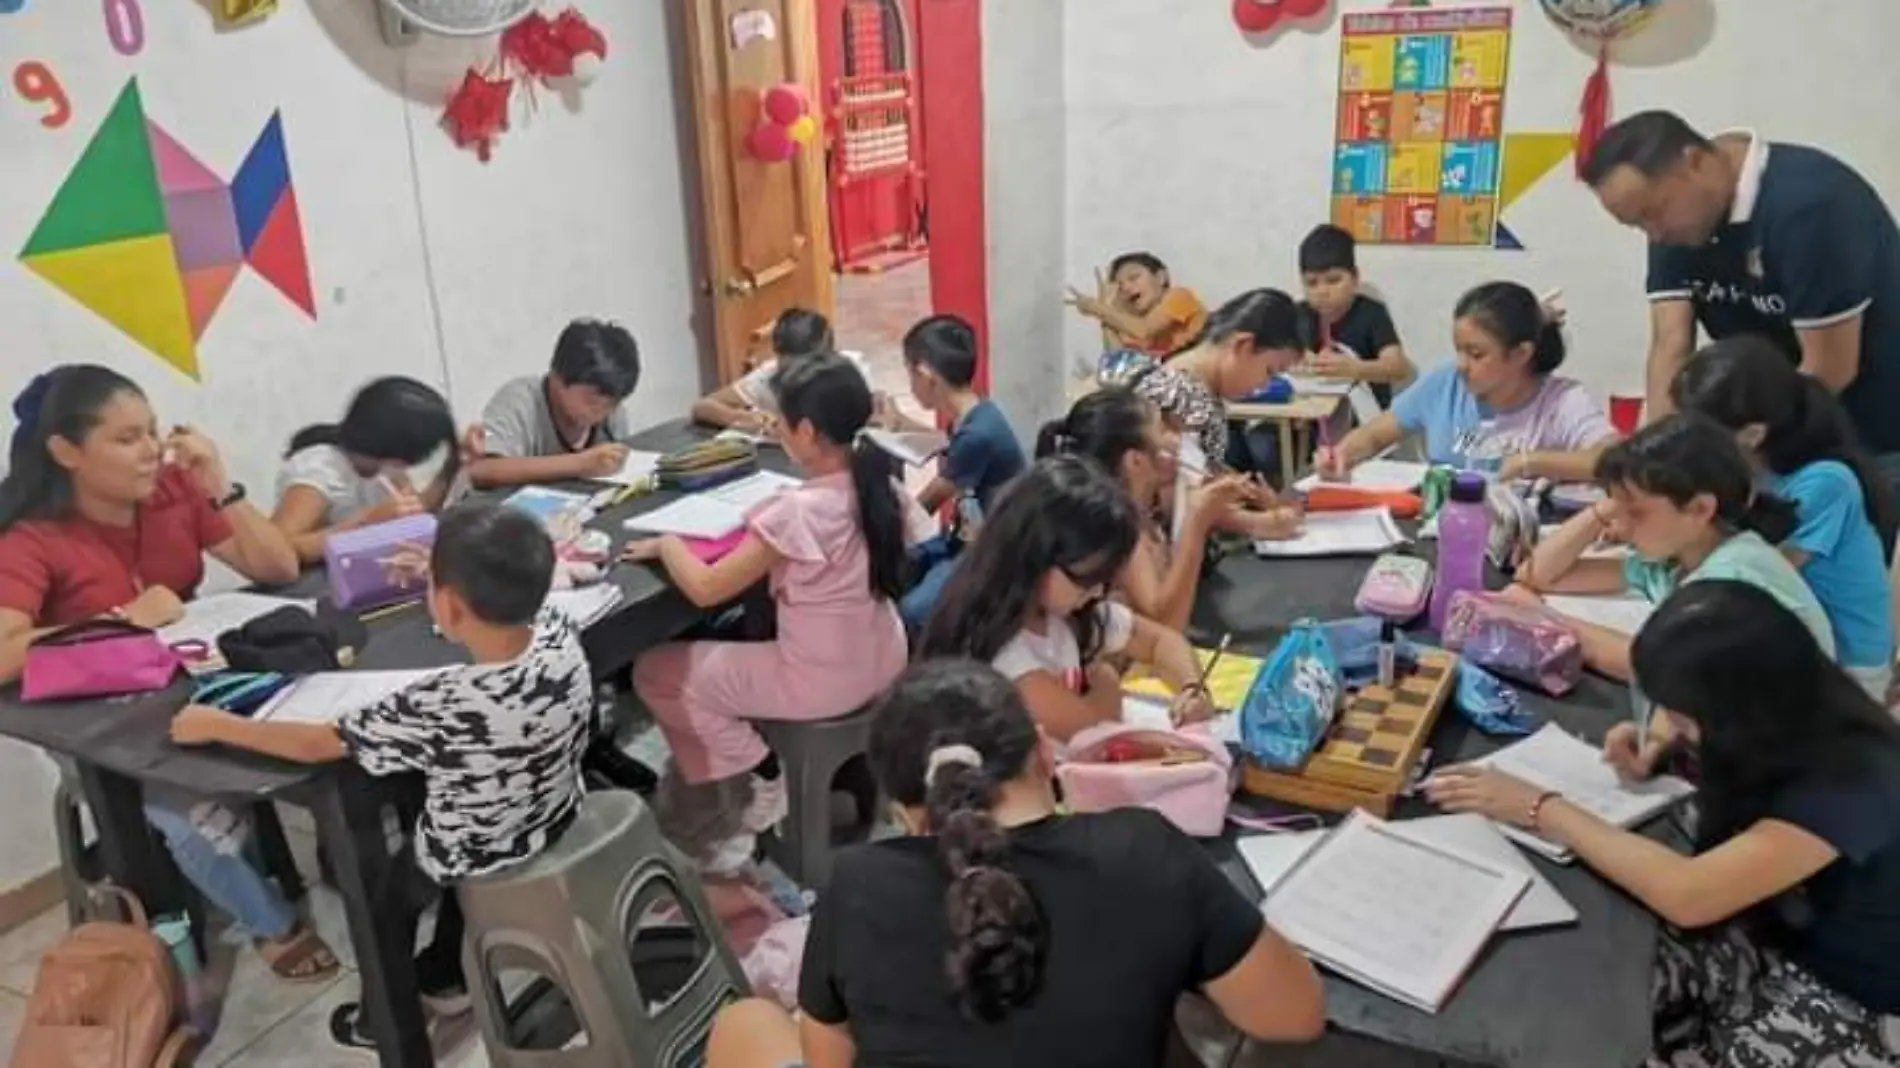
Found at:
<point>35,82</point>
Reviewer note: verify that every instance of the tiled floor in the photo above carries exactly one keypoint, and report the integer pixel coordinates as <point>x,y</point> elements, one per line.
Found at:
<point>874,312</point>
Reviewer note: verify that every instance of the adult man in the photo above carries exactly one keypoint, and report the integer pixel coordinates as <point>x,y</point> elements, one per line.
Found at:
<point>1775,239</point>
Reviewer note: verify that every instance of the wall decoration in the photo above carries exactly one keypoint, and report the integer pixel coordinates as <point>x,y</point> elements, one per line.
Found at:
<point>750,26</point>
<point>1421,117</point>
<point>1602,22</point>
<point>535,50</point>
<point>149,239</point>
<point>35,82</point>
<point>125,26</point>
<point>245,12</point>
<point>785,123</point>
<point>1528,158</point>
<point>477,112</point>
<point>1261,17</point>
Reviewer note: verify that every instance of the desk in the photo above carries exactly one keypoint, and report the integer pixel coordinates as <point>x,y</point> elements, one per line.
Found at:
<point>123,746</point>
<point>1294,419</point>
<point>1572,997</point>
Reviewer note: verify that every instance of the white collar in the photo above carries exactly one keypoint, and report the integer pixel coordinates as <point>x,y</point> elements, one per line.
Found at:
<point>1748,182</point>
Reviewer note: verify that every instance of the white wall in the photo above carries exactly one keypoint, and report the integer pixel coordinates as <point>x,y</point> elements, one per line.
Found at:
<point>1184,139</point>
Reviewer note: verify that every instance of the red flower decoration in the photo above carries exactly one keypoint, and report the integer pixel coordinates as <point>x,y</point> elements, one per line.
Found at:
<point>578,36</point>
<point>536,48</point>
<point>478,112</point>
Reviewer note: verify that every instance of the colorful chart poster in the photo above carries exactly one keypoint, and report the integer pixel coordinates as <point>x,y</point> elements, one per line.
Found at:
<point>1417,157</point>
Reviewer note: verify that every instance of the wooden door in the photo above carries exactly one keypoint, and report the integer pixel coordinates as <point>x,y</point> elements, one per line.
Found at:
<point>764,223</point>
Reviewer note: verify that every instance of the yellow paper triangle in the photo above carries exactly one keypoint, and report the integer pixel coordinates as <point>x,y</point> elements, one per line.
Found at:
<point>1528,157</point>
<point>134,285</point>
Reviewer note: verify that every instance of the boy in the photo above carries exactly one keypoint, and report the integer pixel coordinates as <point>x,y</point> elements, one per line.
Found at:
<point>982,456</point>
<point>498,743</point>
<point>570,423</point>
<point>1148,313</point>
<point>1350,334</point>
<point>747,404</point>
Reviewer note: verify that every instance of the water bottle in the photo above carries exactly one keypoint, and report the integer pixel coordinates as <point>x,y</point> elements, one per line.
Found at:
<point>1464,531</point>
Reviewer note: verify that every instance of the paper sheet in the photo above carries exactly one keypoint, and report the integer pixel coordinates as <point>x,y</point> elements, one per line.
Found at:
<point>1625,613</point>
<point>1154,715</point>
<point>587,605</point>
<point>1366,532</point>
<point>1401,916</point>
<point>1555,759</point>
<point>752,489</point>
<point>327,696</point>
<point>1315,386</point>
<point>208,617</point>
<point>915,447</point>
<point>697,516</point>
<point>1386,476</point>
<point>639,467</point>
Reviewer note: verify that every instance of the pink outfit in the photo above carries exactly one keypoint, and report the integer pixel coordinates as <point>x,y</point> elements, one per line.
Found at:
<point>838,644</point>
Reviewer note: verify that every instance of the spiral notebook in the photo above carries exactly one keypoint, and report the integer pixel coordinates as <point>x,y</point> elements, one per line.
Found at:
<point>1555,759</point>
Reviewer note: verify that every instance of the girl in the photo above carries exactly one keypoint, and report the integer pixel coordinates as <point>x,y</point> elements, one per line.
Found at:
<point>1804,451</point>
<point>1501,407</point>
<point>1128,438</point>
<point>997,932</point>
<point>833,550</point>
<point>1783,944</point>
<point>1031,600</point>
<point>747,404</point>
<point>101,516</point>
<point>1681,493</point>
<point>1145,310</point>
<point>340,476</point>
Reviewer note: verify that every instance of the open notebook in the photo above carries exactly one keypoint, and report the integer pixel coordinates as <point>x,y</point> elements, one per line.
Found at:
<point>1366,532</point>
<point>1403,916</point>
<point>326,696</point>
<point>1555,759</point>
<point>714,513</point>
<point>1398,476</point>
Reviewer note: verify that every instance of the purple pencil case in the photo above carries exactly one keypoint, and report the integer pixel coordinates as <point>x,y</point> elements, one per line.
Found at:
<point>1397,588</point>
<point>359,562</point>
<point>1526,644</point>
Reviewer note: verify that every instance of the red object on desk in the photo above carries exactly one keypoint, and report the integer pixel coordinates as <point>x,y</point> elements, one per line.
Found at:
<point>1331,498</point>
<point>713,550</point>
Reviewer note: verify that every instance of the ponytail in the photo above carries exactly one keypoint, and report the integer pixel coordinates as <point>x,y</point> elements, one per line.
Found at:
<point>830,394</point>
<point>392,419</point>
<point>881,516</point>
<point>1548,355</point>
<point>1054,438</point>
<point>1104,426</point>
<point>944,740</point>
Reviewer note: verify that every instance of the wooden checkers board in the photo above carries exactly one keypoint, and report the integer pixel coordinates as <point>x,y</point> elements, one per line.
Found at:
<point>1367,757</point>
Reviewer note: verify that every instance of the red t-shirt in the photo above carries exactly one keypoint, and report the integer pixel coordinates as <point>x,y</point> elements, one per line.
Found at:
<point>64,571</point>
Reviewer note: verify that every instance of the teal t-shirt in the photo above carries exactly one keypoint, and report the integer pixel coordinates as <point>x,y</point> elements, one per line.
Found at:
<point>1845,566</point>
<point>1742,558</point>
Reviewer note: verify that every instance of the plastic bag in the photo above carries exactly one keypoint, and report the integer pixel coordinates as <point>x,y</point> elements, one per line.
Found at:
<point>1293,700</point>
<point>1488,702</point>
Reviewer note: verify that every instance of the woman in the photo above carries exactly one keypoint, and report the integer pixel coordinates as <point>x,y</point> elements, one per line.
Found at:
<point>101,517</point>
<point>340,476</point>
<point>1501,407</point>
<point>1000,933</point>
<point>1783,946</point>
<point>1128,438</point>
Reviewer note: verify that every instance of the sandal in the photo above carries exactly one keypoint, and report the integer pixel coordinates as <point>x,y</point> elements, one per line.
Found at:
<point>301,958</point>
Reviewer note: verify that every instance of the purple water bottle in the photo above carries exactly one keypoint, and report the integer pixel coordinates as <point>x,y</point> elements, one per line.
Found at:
<point>1464,532</point>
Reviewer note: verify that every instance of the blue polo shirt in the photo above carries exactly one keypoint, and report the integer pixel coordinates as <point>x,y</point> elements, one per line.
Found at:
<point>1809,243</point>
<point>1845,566</point>
<point>983,454</point>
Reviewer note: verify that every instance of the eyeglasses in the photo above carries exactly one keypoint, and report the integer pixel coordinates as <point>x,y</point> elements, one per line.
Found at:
<point>1091,586</point>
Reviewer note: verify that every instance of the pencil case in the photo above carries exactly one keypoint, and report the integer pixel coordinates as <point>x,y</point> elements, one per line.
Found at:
<point>1526,644</point>
<point>1330,498</point>
<point>359,562</point>
<point>707,464</point>
<point>1186,776</point>
<point>1397,588</point>
<point>97,658</point>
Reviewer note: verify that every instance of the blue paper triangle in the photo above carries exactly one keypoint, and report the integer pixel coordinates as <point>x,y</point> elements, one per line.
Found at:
<point>261,182</point>
<point>1507,240</point>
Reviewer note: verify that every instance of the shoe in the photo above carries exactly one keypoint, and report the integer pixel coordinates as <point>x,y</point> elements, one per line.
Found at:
<point>453,1001</point>
<point>768,807</point>
<point>731,856</point>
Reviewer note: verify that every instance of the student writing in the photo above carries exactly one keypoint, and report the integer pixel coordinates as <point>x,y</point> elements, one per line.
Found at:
<point>569,423</point>
<point>996,933</point>
<point>1782,936</point>
<point>1351,335</point>
<point>748,404</point>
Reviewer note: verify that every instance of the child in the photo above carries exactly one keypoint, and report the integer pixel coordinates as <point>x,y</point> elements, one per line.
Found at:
<point>1031,601</point>
<point>1681,493</point>
<point>1350,334</point>
<point>747,404</point>
<point>833,550</point>
<point>570,423</point>
<point>1067,939</point>
<point>1128,438</point>
<point>498,743</point>
<point>983,454</point>
<point>340,476</point>
<point>1501,408</point>
<point>1148,312</point>
<point>1779,938</point>
<point>1804,450</point>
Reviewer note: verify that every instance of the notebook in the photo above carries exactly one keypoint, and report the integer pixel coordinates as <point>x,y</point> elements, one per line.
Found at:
<point>1402,916</point>
<point>1365,532</point>
<point>1555,759</point>
<point>914,447</point>
<point>716,513</point>
<point>638,467</point>
<point>1315,386</point>
<point>1622,613</point>
<point>328,695</point>
<point>1386,476</point>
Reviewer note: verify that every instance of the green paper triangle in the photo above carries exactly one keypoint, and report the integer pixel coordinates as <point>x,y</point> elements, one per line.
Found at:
<point>112,192</point>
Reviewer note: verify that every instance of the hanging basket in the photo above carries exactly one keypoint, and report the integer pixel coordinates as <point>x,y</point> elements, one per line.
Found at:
<point>462,18</point>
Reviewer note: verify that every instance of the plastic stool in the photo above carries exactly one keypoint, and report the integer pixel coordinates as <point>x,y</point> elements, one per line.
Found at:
<point>616,932</point>
<point>818,759</point>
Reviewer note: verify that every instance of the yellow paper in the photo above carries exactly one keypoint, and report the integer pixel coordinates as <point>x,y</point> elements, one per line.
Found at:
<point>238,12</point>
<point>1228,686</point>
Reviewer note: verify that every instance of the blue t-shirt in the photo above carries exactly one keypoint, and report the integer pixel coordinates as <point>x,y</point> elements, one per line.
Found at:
<point>1845,566</point>
<point>1809,243</point>
<point>1462,432</point>
<point>983,453</point>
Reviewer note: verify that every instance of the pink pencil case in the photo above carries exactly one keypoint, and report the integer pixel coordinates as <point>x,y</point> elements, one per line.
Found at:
<point>1397,588</point>
<point>713,550</point>
<point>100,658</point>
<point>1186,776</point>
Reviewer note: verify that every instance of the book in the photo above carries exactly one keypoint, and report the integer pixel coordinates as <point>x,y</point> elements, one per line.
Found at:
<point>1365,532</point>
<point>1555,759</point>
<point>914,447</point>
<point>328,696</point>
<point>1402,916</point>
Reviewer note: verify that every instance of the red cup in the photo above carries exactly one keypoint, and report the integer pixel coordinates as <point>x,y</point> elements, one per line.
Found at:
<point>1626,414</point>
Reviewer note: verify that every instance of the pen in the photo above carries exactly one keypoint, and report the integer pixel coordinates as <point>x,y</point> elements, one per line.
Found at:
<point>1214,662</point>
<point>386,612</point>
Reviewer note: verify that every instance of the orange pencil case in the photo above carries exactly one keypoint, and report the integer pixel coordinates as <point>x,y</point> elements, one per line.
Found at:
<point>1331,498</point>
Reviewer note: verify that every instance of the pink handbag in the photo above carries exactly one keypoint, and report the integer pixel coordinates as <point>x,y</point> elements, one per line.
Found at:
<point>98,658</point>
<point>1526,644</point>
<point>1186,776</point>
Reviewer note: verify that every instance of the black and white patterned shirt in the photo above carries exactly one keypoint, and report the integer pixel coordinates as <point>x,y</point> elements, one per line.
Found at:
<point>500,747</point>
<point>1185,401</point>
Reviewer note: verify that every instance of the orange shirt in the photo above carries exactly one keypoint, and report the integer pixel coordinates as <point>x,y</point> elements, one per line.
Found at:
<point>1186,318</point>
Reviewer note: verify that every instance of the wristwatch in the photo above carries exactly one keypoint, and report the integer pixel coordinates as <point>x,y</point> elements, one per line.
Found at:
<point>238,493</point>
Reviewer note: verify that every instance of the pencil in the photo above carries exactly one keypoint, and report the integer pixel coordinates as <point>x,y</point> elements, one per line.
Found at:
<point>384,613</point>
<point>1214,661</point>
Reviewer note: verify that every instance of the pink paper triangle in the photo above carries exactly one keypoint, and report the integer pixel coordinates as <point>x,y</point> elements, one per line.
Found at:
<point>178,170</point>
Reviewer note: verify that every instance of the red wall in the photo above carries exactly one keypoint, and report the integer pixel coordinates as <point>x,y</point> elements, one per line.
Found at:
<point>950,39</point>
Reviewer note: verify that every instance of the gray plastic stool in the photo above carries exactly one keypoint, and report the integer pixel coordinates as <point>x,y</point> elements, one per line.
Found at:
<point>614,928</point>
<point>818,759</point>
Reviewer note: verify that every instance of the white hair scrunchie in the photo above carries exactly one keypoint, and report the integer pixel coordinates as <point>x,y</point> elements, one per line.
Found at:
<point>945,755</point>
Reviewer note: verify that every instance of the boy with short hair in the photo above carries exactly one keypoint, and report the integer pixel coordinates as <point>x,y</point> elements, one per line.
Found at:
<point>748,404</point>
<point>570,423</point>
<point>1146,312</point>
<point>1350,334</point>
<point>498,742</point>
<point>982,455</point>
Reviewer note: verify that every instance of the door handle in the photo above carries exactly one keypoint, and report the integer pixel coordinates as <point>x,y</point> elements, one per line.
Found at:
<point>741,285</point>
